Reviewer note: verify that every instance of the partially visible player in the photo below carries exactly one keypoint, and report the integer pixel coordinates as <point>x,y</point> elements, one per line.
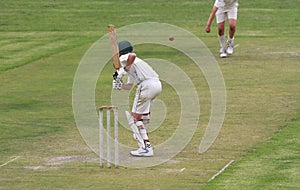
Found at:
<point>148,88</point>
<point>224,10</point>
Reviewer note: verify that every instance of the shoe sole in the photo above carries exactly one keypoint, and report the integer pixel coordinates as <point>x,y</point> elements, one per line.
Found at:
<point>229,53</point>
<point>134,155</point>
<point>140,155</point>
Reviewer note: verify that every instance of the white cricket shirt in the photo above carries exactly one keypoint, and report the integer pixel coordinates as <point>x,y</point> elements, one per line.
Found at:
<point>223,4</point>
<point>139,70</point>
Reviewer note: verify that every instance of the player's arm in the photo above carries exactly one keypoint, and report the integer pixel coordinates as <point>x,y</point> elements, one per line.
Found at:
<point>127,86</point>
<point>211,18</point>
<point>118,75</point>
<point>130,61</point>
<point>123,70</point>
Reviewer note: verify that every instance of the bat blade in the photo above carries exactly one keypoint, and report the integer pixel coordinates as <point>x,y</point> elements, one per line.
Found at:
<point>114,46</point>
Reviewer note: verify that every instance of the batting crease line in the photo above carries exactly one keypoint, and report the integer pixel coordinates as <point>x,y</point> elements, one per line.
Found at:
<point>222,170</point>
<point>237,45</point>
<point>9,161</point>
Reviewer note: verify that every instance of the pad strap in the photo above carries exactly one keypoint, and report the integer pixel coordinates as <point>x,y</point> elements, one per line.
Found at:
<point>146,117</point>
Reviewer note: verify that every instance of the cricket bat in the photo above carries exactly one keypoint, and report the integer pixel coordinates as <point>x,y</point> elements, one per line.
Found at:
<point>114,46</point>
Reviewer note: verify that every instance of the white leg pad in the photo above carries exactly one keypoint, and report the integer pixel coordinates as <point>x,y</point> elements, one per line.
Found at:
<point>135,129</point>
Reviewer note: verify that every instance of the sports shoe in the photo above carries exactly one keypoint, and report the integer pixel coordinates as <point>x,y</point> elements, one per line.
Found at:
<point>230,47</point>
<point>141,152</point>
<point>223,53</point>
<point>230,50</point>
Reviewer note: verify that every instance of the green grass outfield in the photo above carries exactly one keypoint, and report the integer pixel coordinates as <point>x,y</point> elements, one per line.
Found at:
<point>273,165</point>
<point>42,43</point>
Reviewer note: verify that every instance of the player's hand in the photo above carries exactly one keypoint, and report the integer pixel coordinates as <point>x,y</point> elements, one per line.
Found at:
<point>117,84</point>
<point>115,75</point>
<point>119,74</point>
<point>207,29</point>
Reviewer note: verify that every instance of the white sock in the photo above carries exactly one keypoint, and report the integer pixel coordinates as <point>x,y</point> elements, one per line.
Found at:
<point>230,40</point>
<point>222,42</point>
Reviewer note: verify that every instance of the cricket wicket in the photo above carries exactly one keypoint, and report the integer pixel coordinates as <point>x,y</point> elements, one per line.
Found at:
<point>108,136</point>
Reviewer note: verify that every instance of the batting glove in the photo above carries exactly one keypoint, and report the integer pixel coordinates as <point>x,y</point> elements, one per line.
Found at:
<point>117,84</point>
<point>119,74</point>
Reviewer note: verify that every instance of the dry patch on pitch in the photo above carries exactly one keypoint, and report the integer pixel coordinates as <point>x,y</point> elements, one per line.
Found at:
<point>55,162</point>
<point>169,170</point>
<point>66,159</point>
<point>36,167</point>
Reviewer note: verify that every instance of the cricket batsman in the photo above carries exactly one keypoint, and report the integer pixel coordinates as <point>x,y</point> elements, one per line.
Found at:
<point>149,87</point>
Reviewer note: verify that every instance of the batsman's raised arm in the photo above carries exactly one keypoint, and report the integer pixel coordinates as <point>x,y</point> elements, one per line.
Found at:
<point>126,58</point>
<point>130,60</point>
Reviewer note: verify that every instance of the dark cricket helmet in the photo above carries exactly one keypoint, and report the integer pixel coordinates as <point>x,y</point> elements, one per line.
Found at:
<point>125,47</point>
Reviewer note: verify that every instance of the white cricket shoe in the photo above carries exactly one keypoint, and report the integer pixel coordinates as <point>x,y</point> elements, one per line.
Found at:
<point>230,47</point>
<point>141,152</point>
<point>223,53</point>
<point>230,50</point>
